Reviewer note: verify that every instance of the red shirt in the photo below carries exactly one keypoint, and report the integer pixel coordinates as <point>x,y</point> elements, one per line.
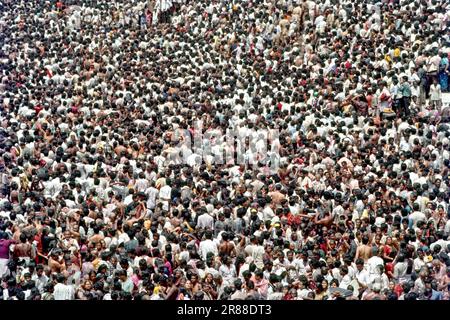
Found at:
<point>39,247</point>
<point>369,100</point>
<point>38,109</point>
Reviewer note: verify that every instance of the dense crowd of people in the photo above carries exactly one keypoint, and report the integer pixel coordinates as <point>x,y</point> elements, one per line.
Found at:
<point>99,200</point>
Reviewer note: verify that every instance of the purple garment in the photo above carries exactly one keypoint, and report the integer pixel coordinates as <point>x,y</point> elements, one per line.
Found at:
<point>86,268</point>
<point>4,248</point>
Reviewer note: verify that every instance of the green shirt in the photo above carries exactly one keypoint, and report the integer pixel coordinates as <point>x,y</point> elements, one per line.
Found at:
<point>406,90</point>
<point>127,286</point>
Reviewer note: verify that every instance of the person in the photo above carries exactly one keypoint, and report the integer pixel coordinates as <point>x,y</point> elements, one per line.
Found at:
<point>62,290</point>
<point>48,292</point>
<point>443,72</point>
<point>227,270</point>
<point>363,251</point>
<point>238,293</point>
<point>435,95</point>
<point>400,267</point>
<point>84,292</point>
<point>23,250</point>
<point>346,278</point>
<point>375,261</point>
<point>40,278</point>
<point>4,252</point>
<point>322,290</point>
<point>406,96</point>
<point>208,246</point>
<point>56,261</point>
<point>205,221</point>
<point>374,294</point>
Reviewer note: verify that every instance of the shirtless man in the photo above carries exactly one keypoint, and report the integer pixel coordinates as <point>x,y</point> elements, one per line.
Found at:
<point>56,262</point>
<point>23,250</point>
<point>364,250</point>
<point>276,195</point>
<point>227,247</point>
<point>326,219</point>
<point>97,237</point>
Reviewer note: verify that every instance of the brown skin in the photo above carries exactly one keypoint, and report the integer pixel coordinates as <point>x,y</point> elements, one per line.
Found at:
<point>23,250</point>
<point>364,252</point>
<point>327,220</point>
<point>227,248</point>
<point>56,264</point>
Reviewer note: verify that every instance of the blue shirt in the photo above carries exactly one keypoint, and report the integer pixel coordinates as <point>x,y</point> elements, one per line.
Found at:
<point>436,295</point>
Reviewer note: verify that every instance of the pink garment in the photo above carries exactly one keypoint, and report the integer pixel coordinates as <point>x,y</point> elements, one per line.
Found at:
<point>135,280</point>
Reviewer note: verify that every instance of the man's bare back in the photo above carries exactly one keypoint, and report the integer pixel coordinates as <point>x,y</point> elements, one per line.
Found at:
<point>364,252</point>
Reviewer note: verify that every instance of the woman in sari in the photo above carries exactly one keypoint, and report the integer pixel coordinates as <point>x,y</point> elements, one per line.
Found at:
<point>443,72</point>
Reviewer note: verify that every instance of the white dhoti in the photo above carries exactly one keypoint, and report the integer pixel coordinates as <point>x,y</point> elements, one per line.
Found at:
<point>3,266</point>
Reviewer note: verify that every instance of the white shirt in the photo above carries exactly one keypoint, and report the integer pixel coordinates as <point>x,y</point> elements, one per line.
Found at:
<point>373,263</point>
<point>447,227</point>
<point>435,92</point>
<point>302,293</point>
<point>205,221</point>
<point>400,269</point>
<point>128,200</point>
<point>63,292</point>
<point>440,242</point>
<point>268,213</point>
<point>227,272</point>
<point>207,246</point>
<point>152,193</point>
<point>258,253</point>
<point>417,216</point>
<point>362,276</point>
<point>345,282</point>
<point>40,281</point>
<point>418,264</point>
<point>164,192</point>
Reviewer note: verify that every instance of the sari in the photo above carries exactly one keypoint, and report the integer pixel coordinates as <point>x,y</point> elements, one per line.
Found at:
<point>443,75</point>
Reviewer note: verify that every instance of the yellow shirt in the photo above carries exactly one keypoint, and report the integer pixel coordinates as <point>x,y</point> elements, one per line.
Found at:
<point>387,58</point>
<point>365,214</point>
<point>156,290</point>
